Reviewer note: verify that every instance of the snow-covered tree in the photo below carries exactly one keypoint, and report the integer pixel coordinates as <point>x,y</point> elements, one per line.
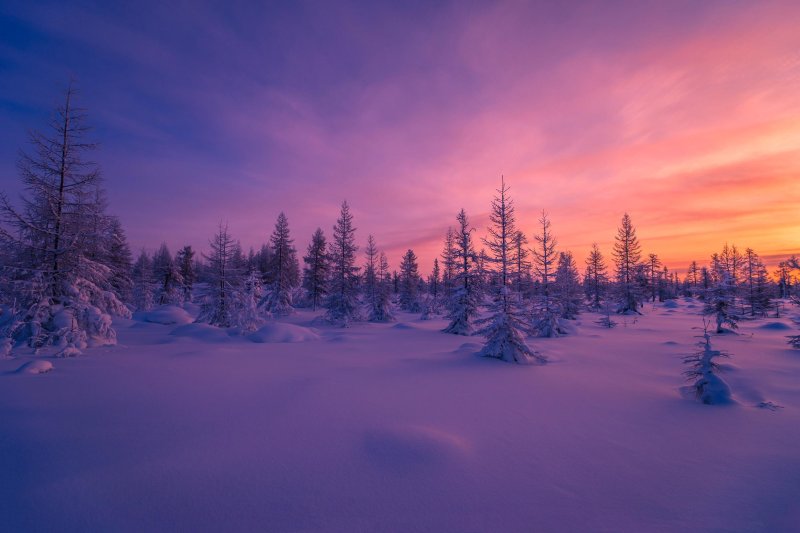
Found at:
<point>654,275</point>
<point>118,259</point>
<point>522,266</point>
<point>381,310</point>
<point>224,274</point>
<point>504,328</point>
<point>185,261</point>
<point>465,296</point>
<point>756,282</point>
<point>342,301</point>
<point>704,371</point>
<point>315,271</point>
<point>282,275</point>
<point>732,262</point>
<point>62,286</point>
<point>144,285</point>
<point>693,279</point>
<point>793,263</point>
<point>627,253</point>
<point>434,281</point>
<point>370,283</point>
<point>720,300</point>
<point>546,311</point>
<point>567,286</point>
<point>448,265</point>
<point>595,280</point>
<point>409,283</point>
<point>246,314</point>
<point>167,277</point>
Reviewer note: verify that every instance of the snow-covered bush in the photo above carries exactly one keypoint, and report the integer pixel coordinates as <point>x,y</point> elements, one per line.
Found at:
<point>546,319</point>
<point>794,341</point>
<point>709,387</point>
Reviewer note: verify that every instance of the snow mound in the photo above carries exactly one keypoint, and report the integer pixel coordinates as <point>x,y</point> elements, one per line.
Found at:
<point>35,367</point>
<point>775,326</point>
<point>409,448</point>
<point>670,304</point>
<point>469,347</point>
<point>282,332</point>
<point>168,315</point>
<point>201,332</point>
<point>403,325</point>
<point>715,391</point>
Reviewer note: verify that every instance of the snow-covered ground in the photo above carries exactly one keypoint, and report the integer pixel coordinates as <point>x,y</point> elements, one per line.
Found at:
<point>398,427</point>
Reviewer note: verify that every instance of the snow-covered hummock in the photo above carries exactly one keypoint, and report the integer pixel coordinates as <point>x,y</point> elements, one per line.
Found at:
<point>38,366</point>
<point>282,332</point>
<point>168,315</point>
<point>385,429</point>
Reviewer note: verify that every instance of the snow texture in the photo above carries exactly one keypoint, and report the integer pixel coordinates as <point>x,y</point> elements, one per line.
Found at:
<point>391,429</point>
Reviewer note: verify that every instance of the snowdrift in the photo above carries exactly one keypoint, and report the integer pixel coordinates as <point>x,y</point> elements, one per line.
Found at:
<point>168,315</point>
<point>201,332</point>
<point>282,332</point>
<point>35,367</point>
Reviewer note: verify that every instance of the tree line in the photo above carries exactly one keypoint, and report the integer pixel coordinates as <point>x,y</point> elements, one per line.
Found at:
<point>66,269</point>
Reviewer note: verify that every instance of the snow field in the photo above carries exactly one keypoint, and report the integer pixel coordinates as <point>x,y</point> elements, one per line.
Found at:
<point>379,428</point>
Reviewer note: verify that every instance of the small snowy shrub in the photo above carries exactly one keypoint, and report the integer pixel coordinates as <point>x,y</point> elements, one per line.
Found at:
<point>703,370</point>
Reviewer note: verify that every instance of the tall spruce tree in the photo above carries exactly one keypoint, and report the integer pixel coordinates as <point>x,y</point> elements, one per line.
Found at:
<point>756,282</point>
<point>545,309</point>
<point>167,276</point>
<point>596,278</point>
<point>370,285</point>
<point>504,328</point>
<point>118,259</point>
<point>315,271</point>
<point>627,253</point>
<point>448,265</point>
<point>463,308</point>
<point>342,302</point>
<point>185,260</point>
<point>282,274</point>
<point>409,283</point>
<point>143,283</point>
<point>225,276</point>
<point>522,266</point>
<point>567,286</point>
<point>381,309</point>
<point>654,275</point>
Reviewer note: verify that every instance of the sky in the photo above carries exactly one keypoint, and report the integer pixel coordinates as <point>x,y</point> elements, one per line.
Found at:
<point>686,115</point>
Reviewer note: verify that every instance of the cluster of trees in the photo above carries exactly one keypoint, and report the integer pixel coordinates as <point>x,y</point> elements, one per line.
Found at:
<point>67,269</point>
<point>65,260</point>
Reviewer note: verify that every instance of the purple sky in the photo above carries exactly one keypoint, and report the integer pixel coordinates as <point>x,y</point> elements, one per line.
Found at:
<point>685,114</point>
